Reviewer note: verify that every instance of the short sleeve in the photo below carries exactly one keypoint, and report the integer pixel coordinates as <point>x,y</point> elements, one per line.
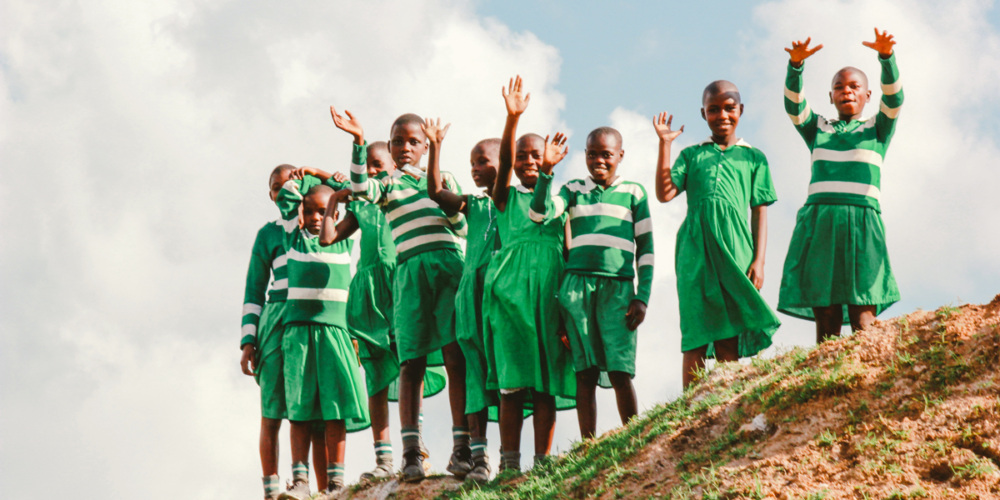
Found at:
<point>678,174</point>
<point>761,186</point>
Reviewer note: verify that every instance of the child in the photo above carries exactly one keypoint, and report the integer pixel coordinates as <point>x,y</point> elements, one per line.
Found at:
<point>369,308</point>
<point>522,306</point>
<point>482,244</point>
<point>429,267</point>
<point>837,256</point>
<point>610,225</point>
<point>719,262</point>
<point>262,335</point>
<point>322,380</point>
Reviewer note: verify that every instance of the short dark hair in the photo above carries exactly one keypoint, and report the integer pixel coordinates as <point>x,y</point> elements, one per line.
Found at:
<point>406,119</point>
<point>281,168</point>
<point>320,189</point>
<point>722,87</point>
<point>377,146</point>
<point>602,131</point>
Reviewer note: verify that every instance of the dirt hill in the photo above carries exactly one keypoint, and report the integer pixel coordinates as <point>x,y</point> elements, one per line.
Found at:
<point>906,409</point>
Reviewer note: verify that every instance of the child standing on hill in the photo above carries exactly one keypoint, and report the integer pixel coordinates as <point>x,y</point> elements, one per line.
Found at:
<point>429,267</point>
<point>719,261</point>
<point>369,308</point>
<point>529,360</point>
<point>610,227</point>
<point>482,243</point>
<point>837,269</point>
<point>322,380</point>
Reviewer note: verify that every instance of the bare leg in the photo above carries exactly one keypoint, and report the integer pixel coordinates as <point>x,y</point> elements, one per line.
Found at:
<point>727,350</point>
<point>336,442</point>
<point>861,316</point>
<point>694,362</point>
<point>586,402</point>
<point>477,423</point>
<point>299,437</point>
<point>454,365</point>
<point>319,453</point>
<point>828,320</point>
<point>411,382</point>
<point>544,422</point>
<point>511,420</point>
<point>378,407</point>
<point>628,407</point>
<point>269,428</point>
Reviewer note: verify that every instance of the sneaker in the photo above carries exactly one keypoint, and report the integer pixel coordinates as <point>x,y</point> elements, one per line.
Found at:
<point>381,471</point>
<point>413,466</point>
<point>460,463</point>
<point>480,472</point>
<point>298,491</point>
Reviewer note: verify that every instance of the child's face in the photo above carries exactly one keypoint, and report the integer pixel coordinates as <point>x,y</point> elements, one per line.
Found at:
<point>407,143</point>
<point>604,153</point>
<point>380,161</point>
<point>276,181</point>
<point>484,165</point>
<point>850,93</point>
<point>722,112</point>
<point>528,159</point>
<point>313,210</point>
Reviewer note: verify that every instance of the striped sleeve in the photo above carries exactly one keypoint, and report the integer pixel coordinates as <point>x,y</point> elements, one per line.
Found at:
<point>288,201</point>
<point>543,206</point>
<point>643,245</point>
<point>798,109</point>
<point>892,99</point>
<point>363,187</point>
<point>258,275</point>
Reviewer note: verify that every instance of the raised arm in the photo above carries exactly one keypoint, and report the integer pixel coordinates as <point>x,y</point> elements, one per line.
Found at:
<point>798,109</point>
<point>450,202</point>
<point>330,231</point>
<point>666,190</point>
<point>335,180</point>
<point>361,185</point>
<point>892,90</point>
<point>543,206</point>
<point>517,103</point>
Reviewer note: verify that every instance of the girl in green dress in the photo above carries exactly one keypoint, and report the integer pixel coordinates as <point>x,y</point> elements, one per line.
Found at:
<point>528,358</point>
<point>719,260</point>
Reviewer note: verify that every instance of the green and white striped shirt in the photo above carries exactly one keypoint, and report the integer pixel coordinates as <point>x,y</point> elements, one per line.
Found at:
<point>318,276</point>
<point>846,156</point>
<point>418,223</point>
<point>611,227</point>
<point>267,258</point>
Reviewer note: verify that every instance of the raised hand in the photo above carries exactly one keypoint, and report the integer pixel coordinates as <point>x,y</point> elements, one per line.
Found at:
<point>434,132</point>
<point>883,43</point>
<point>514,98</point>
<point>800,51</point>
<point>555,151</point>
<point>339,177</point>
<point>349,124</point>
<point>661,123</point>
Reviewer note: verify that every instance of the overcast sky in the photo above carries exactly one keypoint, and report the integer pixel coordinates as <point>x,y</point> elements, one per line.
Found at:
<point>136,139</point>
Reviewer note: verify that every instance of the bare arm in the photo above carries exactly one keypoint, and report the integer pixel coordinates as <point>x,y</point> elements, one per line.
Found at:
<point>517,103</point>
<point>666,190</point>
<point>329,232</point>
<point>450,202</point>
<point>758,226</point>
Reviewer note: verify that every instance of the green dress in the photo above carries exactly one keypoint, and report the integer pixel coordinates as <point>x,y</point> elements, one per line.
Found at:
<point>715,248</point>
<point>522,305</point>
<point>370,306</point>
<point>482,242</point>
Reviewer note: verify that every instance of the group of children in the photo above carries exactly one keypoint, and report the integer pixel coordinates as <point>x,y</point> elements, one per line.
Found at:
<point>542,307</point>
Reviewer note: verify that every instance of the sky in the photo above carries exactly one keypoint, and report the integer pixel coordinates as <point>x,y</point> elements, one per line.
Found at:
<point>136,138</point>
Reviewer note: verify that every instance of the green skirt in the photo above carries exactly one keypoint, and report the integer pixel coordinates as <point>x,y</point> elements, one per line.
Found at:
<point>322,379</point>
<point>423,294</point>
<point>717,300</point>
<point>837,256</point>
<point>522,311</point>
<point>270,365</point>
<point>469,332</point>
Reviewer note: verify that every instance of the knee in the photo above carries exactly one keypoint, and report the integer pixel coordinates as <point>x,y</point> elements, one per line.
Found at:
<point>620,380</point>
<point>588,377</point>
<point>271,425</point>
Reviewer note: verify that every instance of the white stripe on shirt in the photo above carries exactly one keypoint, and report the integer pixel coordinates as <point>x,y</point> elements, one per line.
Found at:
<point>601,209</point>
<point>430,220</point>
<point>604,240</point>
<point>844,187</point>
<point>427,238</point>
<point>854,155</point>
<point>325,258</point>
<point>249,308</point>
<point>325,294</point>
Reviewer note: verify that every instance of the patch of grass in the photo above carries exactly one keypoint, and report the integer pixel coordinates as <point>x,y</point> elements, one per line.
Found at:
<point>826,438</point>
<point>818,495</point>
<point>975,468</point>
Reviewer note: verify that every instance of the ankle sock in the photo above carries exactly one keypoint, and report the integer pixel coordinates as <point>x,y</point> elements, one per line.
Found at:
<point>335,476</point>
<point>511,460</point>
<point>383,453</point>
<point>460,436</point>
<point>272,486</point>
<point>478,447</point>
<point>300,472</point>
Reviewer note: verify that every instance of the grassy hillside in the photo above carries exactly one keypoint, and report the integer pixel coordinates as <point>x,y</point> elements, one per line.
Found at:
<point>907,409</point>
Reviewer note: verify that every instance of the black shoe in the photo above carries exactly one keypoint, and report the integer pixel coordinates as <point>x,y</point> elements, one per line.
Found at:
<point>460,464</point>
<point>413,466</point>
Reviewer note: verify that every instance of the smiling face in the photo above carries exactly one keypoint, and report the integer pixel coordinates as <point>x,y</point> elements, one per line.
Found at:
<point>528,159</point>
<point>314,208</point>
<point>722,109</point>
<point>278,178</point>
<point>379,160</point>
<point>407,143</point>
<point>850,93</point>
<point>484,158</point>
<point>604,153</point>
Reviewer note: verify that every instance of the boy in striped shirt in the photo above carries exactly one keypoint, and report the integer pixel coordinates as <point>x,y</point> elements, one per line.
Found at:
<point>322,379</point>
<point>429,268</point>
<point>837,269</point>
<point>610,224</point>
